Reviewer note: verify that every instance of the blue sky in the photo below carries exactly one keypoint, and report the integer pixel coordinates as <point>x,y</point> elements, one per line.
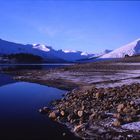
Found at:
<point>90,26</point>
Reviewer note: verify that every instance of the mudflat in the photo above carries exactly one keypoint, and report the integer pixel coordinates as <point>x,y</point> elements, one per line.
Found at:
<point>99,74</point>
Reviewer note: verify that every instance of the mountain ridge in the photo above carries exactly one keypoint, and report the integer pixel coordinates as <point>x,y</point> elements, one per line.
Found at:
<point>46,52</point>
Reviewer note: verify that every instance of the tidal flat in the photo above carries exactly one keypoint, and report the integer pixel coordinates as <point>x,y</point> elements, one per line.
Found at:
<point>103,99</point>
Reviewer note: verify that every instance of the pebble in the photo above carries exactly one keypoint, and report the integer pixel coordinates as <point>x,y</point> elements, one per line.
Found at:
<point>62,113</point>
<point>116,123</point>
<point>64,134</point>
<point>52,115</point>
<point>45,110</point>
<point>77,127</point>
<point>80,113</point>
<point>120,107</point>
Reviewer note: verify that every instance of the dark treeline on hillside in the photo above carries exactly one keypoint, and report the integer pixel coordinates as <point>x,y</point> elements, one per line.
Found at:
<point>22,57</point>
<point>28,58</point>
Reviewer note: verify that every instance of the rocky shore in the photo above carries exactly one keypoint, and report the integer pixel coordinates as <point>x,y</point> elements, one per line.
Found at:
<point>100,113</point>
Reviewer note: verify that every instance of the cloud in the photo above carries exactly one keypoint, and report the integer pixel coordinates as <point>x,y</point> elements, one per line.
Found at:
<point>49,31</point>
<point>75,34</point>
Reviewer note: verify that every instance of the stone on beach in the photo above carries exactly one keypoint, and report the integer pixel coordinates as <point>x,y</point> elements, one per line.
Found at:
<point>62,113</point>
<point>52,115</point>
<point>44,110</point>
<point>80,113</point>
<point>116,123</point>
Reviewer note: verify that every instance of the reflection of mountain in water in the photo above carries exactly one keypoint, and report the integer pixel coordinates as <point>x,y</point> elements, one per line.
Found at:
<point>6,79</point>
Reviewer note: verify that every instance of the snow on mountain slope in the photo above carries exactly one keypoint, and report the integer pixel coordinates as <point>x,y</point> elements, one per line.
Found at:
<point>69,51</point>
<point>44,51</point>
<point>102,53</point>
<point>130,49</point>
<point>41,47</point>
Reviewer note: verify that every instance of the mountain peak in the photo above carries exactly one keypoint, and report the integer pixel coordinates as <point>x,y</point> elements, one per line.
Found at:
<point>41,47</point>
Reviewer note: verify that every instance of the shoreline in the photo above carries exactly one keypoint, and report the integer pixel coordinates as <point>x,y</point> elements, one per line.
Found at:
<point>81,80</point>
<point>100,74</point>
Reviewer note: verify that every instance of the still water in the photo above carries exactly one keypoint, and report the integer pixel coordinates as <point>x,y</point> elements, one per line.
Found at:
<point>19,116</point>
<point>33,66</point>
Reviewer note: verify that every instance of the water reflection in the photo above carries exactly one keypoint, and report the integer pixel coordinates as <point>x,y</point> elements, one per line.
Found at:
<point>5,79</point>
<point>31,66</point>
<point>19,117</point>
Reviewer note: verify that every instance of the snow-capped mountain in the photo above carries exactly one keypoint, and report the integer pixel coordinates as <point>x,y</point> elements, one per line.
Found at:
<point>46,52</point>
<point>130,49</point>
